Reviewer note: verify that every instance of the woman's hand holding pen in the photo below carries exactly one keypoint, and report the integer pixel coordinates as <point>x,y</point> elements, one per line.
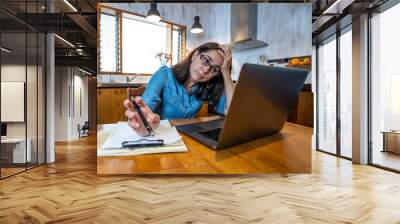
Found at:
<point>134,120</point>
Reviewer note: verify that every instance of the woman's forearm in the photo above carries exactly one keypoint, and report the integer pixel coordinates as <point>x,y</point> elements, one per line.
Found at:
<point>229,88</point>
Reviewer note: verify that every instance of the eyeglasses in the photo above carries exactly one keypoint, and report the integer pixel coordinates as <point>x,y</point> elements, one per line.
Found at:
<point>206,60</point>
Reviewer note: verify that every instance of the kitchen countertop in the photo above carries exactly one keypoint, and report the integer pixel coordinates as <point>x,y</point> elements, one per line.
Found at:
<point>118,85</point>
<point>116,81</point>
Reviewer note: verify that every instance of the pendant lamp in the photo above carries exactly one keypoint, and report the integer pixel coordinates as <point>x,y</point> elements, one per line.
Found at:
<point>196,27</point>
<point>153,14</point>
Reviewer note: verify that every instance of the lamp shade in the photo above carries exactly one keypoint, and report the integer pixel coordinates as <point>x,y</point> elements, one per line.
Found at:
<point>196,27</point>
<point>153,14</point>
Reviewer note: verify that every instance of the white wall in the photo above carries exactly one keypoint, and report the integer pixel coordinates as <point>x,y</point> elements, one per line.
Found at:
<point>61,103</point>
<point>70,84</point>
<point>12,73</point>
<point>33,126</point>
<point>80,102</point>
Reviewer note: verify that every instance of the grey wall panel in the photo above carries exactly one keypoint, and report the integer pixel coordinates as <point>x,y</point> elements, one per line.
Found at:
<point>287,30</point>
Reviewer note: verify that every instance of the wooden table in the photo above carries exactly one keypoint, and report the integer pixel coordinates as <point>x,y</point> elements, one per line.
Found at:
<point>286,152</point>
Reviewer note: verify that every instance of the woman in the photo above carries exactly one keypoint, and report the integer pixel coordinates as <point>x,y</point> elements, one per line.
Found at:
<point>180,91</point>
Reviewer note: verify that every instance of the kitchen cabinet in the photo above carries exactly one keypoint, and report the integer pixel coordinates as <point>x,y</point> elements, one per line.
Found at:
<point>110,108</point>
<point>303,112</point>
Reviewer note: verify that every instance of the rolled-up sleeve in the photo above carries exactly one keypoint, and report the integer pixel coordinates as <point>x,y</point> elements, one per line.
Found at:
<point>221,105</point>
<point>153,92</point>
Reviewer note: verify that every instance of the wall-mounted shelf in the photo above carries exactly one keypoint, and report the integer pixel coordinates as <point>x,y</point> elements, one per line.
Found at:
<point>299,66</point>
<point>303,62</point>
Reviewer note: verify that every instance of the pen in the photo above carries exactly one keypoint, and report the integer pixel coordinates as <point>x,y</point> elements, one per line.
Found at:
<point>145,123</point>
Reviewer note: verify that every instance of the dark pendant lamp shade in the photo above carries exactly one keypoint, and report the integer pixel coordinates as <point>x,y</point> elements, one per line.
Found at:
<point>153,14</point>
<point>196,28</point>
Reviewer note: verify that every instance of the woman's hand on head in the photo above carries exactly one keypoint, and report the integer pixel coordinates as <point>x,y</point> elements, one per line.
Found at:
<point>227,56</point>
<point>134,119</point>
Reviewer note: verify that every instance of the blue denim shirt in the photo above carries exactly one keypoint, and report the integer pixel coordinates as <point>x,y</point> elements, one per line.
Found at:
<point>165,96</point>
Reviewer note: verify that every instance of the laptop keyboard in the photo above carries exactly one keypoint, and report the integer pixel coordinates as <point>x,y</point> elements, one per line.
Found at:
<point>213,133</point>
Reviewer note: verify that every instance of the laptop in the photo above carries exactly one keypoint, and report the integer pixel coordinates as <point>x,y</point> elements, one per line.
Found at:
<point>263,98</point>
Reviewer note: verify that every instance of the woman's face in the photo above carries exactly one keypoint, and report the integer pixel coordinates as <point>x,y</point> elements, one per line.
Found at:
<point>205,65</point>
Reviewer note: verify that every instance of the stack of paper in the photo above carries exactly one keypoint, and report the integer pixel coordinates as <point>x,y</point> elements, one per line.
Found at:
<point>122,132</point>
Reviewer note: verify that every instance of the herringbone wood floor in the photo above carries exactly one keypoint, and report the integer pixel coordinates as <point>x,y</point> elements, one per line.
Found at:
<point>69,191</point>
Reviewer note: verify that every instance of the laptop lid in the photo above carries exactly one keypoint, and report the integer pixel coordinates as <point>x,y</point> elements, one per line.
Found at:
<point>263,98</point>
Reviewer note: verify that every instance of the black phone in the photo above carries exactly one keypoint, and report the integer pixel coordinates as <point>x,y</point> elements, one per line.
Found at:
<point>142,143</point>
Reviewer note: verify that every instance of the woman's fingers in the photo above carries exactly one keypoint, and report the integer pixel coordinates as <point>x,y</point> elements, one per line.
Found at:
<point>137,125</point>
<point>154,120</point>
<point>225,52</point>
<point>134,124</point>
<point>221,54</point>
<point>224,57</point>
<point>127,104</point>
<point>227,61</point>
<point>145,109</point>
<point>138,129</point>
<point>140,101</point>
<point>134,120</point>
<point>131,114</point>
<point>133,117</point>
<point>226,49</point>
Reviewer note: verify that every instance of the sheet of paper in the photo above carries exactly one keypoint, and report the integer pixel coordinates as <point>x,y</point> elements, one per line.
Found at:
<point>123,132</point>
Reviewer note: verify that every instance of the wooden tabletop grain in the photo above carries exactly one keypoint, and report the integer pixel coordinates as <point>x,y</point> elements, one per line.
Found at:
<point>286,152</point>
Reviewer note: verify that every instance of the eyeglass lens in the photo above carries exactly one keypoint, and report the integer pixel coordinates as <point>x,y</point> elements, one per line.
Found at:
<point>207,61</point>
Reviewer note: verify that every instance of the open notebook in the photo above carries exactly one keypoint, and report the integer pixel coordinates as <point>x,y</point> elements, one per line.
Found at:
<point>121,132</point>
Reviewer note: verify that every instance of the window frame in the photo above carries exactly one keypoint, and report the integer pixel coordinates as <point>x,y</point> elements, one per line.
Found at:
<point>333,37</point>
<point>119,13</point>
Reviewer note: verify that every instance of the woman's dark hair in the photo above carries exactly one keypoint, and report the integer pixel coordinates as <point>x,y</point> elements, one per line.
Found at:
<point>210,91</point>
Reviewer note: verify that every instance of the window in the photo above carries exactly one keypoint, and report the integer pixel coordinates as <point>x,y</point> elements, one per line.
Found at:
<point>176,46</point>
<point>144,45</point>
<point>327,96</point>
<point>385,88</point>
<point>141,42</point>
<point>108,42</point>
<point>334,94</point>
<point>346,93</point>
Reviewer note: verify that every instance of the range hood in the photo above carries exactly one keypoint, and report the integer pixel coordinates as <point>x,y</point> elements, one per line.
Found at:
<point>244,26</point>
